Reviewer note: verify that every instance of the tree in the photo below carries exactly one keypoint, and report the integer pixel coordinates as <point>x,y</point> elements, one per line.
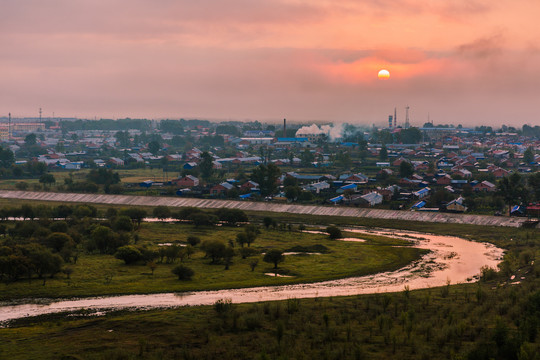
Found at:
<point>47,179</point>
<point>274,256</point>
<point>290,181</point>
<point>59,240</point>
<point>292,192</point>
<point>214,249</point>
<point>228,255</point>
<point>241,238</point>
<point>334,232</point>
<point>129,254</point>
<point>103,176</point>
<point>101,238</point>
<point>206,165</point>
<point>122,223</point>
<point>512,190</point>
<point>161,212</point>
<point>410,136</point>
<point>534,183</point>
<point>202,219</point>
<point>154,146</point>
<point>122,137</point>
<point>251,232</point>
<point>43,262</point>
<point>266,176</point>
<point>183,272</point>
<point>136,215</point>
<point>268,221</point>
<point>383,153</point>
<point>306,158</point>
<point>6,157</point>
<point>528,155</point>
<point>30,139</point>
<point>232,216</point>
<point>406,169</point>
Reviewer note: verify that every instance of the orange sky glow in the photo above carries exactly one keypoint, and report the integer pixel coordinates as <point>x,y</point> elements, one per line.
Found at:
<point>467,62</point>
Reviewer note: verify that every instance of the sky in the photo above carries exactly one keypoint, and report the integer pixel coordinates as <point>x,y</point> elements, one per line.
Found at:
<point>469,62</point>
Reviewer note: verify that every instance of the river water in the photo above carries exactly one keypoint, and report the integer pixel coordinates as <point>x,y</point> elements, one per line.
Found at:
<point>451,259</point>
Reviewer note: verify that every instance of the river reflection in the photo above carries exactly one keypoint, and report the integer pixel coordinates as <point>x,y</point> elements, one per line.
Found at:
<point>451,259</point>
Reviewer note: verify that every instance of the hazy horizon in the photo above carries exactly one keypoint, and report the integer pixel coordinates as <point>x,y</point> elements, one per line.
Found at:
<point>471,62</point>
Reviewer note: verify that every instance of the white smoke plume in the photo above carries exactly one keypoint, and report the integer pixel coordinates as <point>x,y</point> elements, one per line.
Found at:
<point>332,131</point>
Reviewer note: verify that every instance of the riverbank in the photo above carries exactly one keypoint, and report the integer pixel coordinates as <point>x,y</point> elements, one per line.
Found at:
<point>451,260</point>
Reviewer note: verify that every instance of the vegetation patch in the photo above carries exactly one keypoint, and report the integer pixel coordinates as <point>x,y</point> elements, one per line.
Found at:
<point>317,248</point>
<point>104,251</point>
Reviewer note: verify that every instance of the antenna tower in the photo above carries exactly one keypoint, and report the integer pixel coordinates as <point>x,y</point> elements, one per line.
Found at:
<point>9,126</point>
<point>395,118</point>
<point>407,117</point>
<point>39,114</point>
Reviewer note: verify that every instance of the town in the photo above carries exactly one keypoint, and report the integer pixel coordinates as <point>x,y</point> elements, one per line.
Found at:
<point>479,170</point>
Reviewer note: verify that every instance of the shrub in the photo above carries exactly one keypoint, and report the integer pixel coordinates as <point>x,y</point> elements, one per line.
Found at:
<point>183,272</point>
<point>223,306</point>
<point>130,254</point>
<point>193,240</point>
<point>334,232</point>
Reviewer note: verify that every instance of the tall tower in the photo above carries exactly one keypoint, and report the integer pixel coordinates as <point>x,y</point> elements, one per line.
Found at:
<point>9,126</point>
<point>284,127</point>
<point>407,117</point>
<point>395,118</point>
<point>40,114</point>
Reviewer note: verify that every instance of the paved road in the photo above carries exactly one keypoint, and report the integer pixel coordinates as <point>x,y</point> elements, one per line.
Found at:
<point>265,206</point>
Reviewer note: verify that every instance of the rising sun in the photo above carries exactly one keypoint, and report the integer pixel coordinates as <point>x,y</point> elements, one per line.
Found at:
<point>384,74</point>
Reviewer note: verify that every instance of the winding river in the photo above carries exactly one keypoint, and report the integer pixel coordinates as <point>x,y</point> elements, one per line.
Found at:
<point>451,260</point>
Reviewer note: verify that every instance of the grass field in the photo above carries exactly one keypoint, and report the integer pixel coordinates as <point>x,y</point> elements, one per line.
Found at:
<point>96,274</point>
<point>460,322</point>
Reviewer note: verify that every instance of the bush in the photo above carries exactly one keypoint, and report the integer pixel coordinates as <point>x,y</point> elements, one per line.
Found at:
<point>130,254</point>
<point>59,227</point>
<point>122,223</point>
<point>231,216</point>
<point>193,240</point>
<point>183,272</point>
<point>334,232</point>
<point>487,273</point>
<point>223,306</point>
<point>21,185</point>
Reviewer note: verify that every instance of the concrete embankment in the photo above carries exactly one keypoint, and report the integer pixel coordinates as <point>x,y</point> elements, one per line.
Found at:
<point>265,206</point>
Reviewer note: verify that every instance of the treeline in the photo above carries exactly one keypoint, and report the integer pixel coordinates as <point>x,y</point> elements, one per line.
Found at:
<point>107,124</point>
<point>50,238</point>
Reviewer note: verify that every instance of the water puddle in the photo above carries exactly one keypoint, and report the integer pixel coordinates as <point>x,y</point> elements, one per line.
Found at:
<point>278,275</point>
<point>351,239</point>
<point>451,259</point>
